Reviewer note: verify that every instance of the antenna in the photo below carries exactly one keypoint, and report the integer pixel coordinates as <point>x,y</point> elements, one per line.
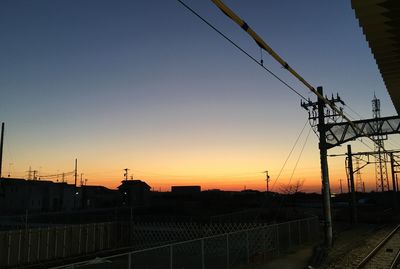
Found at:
<point>76,170</point>
<point>9,169</point>
<point>126,174</point>
<point>267,179</point>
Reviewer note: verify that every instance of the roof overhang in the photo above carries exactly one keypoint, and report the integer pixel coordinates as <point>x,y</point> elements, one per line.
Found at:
<point>380,21</point>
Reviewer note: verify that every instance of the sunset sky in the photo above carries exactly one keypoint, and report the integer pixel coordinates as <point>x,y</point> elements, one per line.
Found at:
<point>146,85</point>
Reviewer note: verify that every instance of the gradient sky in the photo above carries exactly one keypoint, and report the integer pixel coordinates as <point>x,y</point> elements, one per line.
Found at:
<point>146,85</point>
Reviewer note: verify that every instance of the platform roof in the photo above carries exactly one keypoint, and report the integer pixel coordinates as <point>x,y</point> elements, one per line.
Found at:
<point>380,21</point>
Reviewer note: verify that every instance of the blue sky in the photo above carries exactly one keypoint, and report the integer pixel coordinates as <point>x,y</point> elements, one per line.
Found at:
<point>146,85</point>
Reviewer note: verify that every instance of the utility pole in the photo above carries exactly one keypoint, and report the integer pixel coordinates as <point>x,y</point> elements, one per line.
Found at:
<point>81,179</point>
<point>393,180</point>
<point>30,173</point>
<point>76,170</point>
<point>341,188</point>
<point>393,164</point>
<point>267,179</point>
<point>1,148</point>
<point>353,193</point>
<point>35,174</point>
<point>316,115</point>
<point>323,151</point>
<point>322,127</point>
<point>126,174</point>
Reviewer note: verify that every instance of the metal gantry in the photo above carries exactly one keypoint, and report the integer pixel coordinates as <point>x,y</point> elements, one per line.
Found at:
<point>359,181</point>
<point>333,131</point>
<point>349,130</point>
<point>381,174</point>
<point>339,133</point>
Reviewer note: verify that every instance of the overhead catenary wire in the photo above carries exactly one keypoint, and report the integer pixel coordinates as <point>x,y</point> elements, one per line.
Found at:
<point>228,12</point>
<point>261,64</point>
<point>263,45</point>
<point>57,175</point>
<point>355,112</point>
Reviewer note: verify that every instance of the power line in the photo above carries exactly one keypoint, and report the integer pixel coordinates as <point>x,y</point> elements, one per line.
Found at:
<point>264,46</point>
<point>290,153</point>
<point>261,43</point>
<point>261,64</point>
<point>300,154</point>
<point>355,112</point>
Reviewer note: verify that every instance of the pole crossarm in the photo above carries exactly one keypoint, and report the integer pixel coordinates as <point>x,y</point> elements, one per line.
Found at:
<point>363,153</point>
<point>339,133</point>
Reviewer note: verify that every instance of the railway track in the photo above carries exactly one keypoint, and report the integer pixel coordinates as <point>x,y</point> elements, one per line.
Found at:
<point>386,254</point>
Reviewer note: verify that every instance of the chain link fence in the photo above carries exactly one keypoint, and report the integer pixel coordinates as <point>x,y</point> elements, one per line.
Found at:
<point>228,250</point>
<point>34,245</point>
<point>38,245</point>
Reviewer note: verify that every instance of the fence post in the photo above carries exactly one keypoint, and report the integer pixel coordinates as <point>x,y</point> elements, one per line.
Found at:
<point>290,237</point>
<point>47,242</point>
<point>39,231</point>
<point>277,239</point>
<point>121,237</point>
<point>9,248</point>
<point>87,238</point>
<point>227,251</point>
<point>299,229</point>
<point>64,239</point>
<point>55,244</point>
<point>264,236</point>
<point>109,229</point>
<point>171,257</point>
<point>247,247</point>
<point>19,246</point>
<point>203,262</point>
<point>29,245</point>
<point>94,237</point>
<point>129,260</point>
<point>79,239</point>
<point>101,236</point>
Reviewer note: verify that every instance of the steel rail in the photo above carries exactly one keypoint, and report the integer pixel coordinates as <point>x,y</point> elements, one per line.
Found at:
<point>395,261</point>
<point>377,248</point>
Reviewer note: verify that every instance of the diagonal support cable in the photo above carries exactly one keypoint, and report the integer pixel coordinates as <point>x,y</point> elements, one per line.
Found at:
<point>262,44</point>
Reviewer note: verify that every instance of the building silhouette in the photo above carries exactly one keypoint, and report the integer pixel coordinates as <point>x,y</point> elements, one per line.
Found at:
<point>134,193</point>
